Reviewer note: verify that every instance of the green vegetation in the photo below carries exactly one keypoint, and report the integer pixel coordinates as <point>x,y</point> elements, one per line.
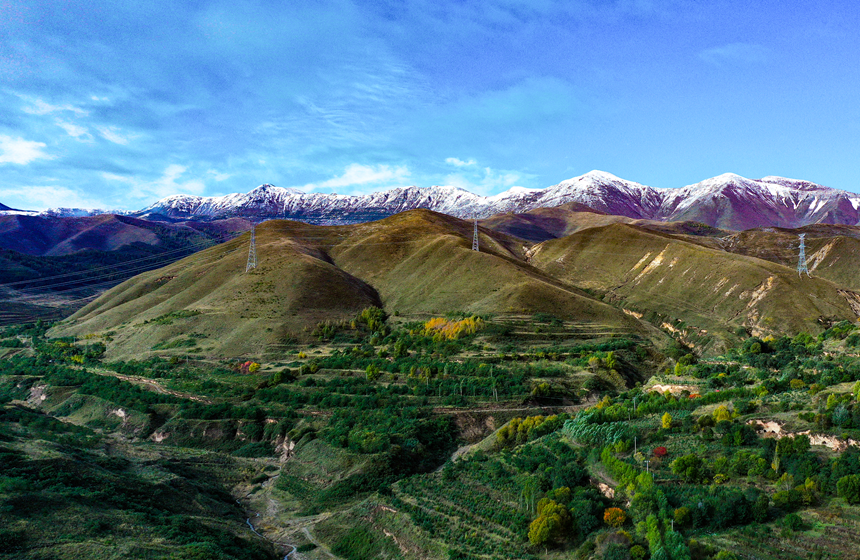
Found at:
<point>582,446</point>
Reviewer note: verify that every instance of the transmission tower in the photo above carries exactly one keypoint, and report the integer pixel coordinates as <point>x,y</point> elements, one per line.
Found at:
<point>801,261</point>
<point>475,237</point>
<point>252,251</point>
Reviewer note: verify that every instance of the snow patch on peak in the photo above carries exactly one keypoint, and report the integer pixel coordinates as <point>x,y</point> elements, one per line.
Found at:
<point>452,188</point>
<point>601,175</point>
<point>266,188</point>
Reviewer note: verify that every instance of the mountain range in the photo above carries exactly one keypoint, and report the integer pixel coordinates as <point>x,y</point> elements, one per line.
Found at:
<point>727,201</point>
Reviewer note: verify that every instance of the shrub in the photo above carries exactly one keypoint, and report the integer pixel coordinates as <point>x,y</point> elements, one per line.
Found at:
<point>793,522</point>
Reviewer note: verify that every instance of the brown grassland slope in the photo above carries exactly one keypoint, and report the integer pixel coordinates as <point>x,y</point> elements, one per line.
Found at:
<point>832,251</point>
<point>417,262</point>
<point>708,289</point>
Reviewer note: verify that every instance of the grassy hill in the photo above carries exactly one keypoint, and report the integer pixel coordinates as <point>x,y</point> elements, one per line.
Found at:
<point>542,224</point>
<point>415,263</point>
<point>831,250</point>
<point>704,293</point>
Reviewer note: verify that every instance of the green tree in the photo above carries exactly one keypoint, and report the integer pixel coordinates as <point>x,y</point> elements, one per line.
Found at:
<point>760,508</point>
<point>689,467</point>
<point>540,529</point>
<point>721,413</point>
<point>848,487</point>
<point>682,516</point>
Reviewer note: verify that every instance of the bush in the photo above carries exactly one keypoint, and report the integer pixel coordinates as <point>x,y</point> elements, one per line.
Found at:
<point>793,522</point>
<point>260,449</point>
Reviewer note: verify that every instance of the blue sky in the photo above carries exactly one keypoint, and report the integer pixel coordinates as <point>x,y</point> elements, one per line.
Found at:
<point>115,104</point>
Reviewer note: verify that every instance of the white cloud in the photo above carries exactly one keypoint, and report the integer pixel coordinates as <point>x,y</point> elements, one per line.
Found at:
<point>485,182</point>
<point>43,197</point>
<point>39,107</point>
<point>459,162</point>
<point>357,174</point>
<point>735,53</point>
<point>166,185</point>
<point>20,151</point>
<point>112,133</point>
<point>73,130</point>
<point>218,176</point>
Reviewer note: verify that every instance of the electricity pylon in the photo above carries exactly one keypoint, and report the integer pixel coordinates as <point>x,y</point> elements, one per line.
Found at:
<point>475,237</point>
<point>252,251</point>
<point>801,261</point>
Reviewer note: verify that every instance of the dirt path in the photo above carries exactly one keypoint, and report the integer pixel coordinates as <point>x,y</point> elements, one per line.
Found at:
<point>553,409</point>
<point>150,385</point>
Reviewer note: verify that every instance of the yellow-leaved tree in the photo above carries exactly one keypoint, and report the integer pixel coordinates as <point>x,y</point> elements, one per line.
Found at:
<point>667,420</point>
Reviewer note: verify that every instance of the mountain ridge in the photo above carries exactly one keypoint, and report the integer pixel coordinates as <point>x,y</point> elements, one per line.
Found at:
<point>727,201</point>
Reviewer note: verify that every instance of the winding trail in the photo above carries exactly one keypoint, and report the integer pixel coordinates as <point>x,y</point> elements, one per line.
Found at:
<point>264,537</point>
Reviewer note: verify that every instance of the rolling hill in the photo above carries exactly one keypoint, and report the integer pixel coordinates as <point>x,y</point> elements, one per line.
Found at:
<point>417,263</point>
<point>542,224</point>
<point>701,292</point>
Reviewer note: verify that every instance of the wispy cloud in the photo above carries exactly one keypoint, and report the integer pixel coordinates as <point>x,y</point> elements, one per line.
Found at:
<point>459,162</point>
<point>39,107</point>
<point>73,130</point>
<point>485,180</point>
<point>218,176</point>
<point>735,53</point>
<point>363,175</point>
<point>112,134</point>
<point>49,196</point>
<point>168,184</point>
<point>20,151</point>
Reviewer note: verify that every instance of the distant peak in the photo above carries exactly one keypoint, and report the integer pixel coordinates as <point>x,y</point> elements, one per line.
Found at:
<point>598,174</point>
<point>726,177</point>
<point>444,187</point>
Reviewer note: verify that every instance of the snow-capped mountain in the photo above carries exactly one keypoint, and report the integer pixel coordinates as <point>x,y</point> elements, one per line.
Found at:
<point>734,202</point>
<point>728,201</point>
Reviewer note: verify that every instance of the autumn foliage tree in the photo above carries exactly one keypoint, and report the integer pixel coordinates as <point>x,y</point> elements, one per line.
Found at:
<point>614,517</point>
<point>440,328</point>
<point>667,420</point>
